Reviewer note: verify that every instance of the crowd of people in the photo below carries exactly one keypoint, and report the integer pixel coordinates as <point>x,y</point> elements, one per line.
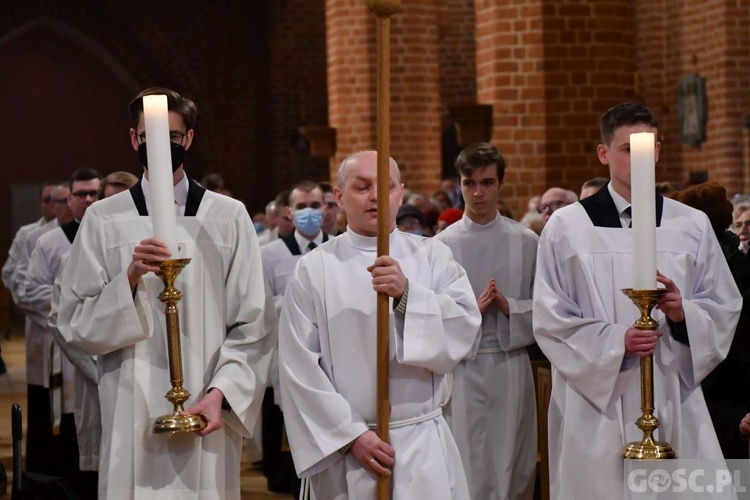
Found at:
<point>278,322</point>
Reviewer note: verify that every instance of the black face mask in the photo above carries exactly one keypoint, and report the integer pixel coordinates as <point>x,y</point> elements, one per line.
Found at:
<point>177,152</point>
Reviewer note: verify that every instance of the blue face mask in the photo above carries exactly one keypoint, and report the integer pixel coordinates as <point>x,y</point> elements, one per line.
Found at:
<point>259,227</point>
<point>308,220</point>
<point>418,232</point>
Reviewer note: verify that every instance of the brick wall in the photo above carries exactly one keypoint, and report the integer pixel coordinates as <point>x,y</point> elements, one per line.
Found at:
<point>298,88</point>
<point>709,39</point>
<point>415,91</point>
<point>550,69</point>
<point>510,77</point>
<point>457,55</point>
<point>588,67</point>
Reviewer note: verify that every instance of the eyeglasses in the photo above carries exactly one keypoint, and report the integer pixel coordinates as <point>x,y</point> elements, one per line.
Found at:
<point>176,137</point>
<point>552,205</point>
<point>82,195</point>
<point>61,201</point>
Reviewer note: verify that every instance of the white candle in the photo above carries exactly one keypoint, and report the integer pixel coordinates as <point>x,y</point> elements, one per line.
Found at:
<point>163,214</point>
<point>643,210</point>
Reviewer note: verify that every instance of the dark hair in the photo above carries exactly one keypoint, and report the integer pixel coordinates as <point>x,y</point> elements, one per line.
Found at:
<point>282,199</point>
<point>305,186</point>
<point>626,113</point>
<point>711,199</point>
<point>82,174</point>
<point>212,182</point>
<point>480,155</point>
<point>598,182</point>
<point>325,186</point>
<point>175,102</point>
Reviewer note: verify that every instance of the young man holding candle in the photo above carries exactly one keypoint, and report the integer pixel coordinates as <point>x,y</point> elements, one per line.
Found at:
<point>582,322</point>
<point>109,307</point>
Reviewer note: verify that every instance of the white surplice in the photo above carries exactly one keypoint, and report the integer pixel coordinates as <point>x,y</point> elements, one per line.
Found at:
<point>493,408</point>
<point>37,331</point>
<point>580,319</point>
<point>16,249</point>
<point>45,264</point>
<point>327,345</point>
<point>227,322</point>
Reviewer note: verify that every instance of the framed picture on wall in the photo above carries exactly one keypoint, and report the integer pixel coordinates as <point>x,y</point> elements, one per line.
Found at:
<point>692,110</point>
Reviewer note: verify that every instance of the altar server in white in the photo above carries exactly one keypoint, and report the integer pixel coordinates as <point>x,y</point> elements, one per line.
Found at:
<point>493,408</point>
<point>47,207</point>
<point>109,307</point>
<point>306,207</point>
<point>39,438</point>
<point>45,265</point>
<point>327,352</point>
<point>583,323</point>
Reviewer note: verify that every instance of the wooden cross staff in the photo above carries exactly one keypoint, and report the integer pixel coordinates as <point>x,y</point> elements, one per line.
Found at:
<point>383,9</point>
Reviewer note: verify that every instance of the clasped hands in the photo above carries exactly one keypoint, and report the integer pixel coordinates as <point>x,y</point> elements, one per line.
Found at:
<point>492,295</point>
<point>642,343</point>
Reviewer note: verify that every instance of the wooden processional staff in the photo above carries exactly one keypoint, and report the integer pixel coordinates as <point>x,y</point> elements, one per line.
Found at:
<point>383,9</point>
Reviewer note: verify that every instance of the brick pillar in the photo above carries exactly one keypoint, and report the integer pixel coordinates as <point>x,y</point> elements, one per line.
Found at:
<point>510,77</point>
<point>588,68</point>
<point>415,95</point>
<point>550,68</point>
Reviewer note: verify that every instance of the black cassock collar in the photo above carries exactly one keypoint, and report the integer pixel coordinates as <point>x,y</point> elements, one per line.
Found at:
<point>194,197</point>
<point>602,211</point>
<point>291,243</point>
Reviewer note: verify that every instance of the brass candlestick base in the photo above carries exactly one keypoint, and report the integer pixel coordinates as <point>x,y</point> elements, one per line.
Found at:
<point>647,448</point>
<point>174,422</point>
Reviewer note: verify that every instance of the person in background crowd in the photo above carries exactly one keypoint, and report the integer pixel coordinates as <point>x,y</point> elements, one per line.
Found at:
<point>725,388</point>
<point>592,186</point>
<point>410,219</point>
<point>553,199</point>
<point>448,217</point>
<point>741,227</point>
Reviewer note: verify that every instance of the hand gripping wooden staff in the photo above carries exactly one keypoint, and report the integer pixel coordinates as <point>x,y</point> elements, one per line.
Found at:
<point>383,9</point>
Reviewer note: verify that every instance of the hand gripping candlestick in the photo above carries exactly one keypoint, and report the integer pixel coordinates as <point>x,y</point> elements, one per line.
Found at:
<point>647,448</point>
<point>644,294</point>
<point>164,219</point>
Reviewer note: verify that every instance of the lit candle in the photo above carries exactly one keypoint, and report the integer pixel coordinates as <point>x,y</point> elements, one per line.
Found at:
<point>163,214</point>
<point>643,210</point>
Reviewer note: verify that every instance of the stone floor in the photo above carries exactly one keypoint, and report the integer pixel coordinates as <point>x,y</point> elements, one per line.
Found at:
<point>13,390</point>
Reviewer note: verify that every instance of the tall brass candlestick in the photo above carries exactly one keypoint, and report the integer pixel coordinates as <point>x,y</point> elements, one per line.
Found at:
<point>174,422</point>
<point>647,448</point>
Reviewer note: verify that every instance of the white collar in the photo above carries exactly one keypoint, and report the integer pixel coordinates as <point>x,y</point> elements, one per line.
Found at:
<point>180,190</point>
<point>304,242</point>
<point>620,203</point>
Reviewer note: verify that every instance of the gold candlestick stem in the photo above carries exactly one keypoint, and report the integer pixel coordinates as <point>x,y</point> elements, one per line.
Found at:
<point>177,395</point>
<point>648,448</point>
